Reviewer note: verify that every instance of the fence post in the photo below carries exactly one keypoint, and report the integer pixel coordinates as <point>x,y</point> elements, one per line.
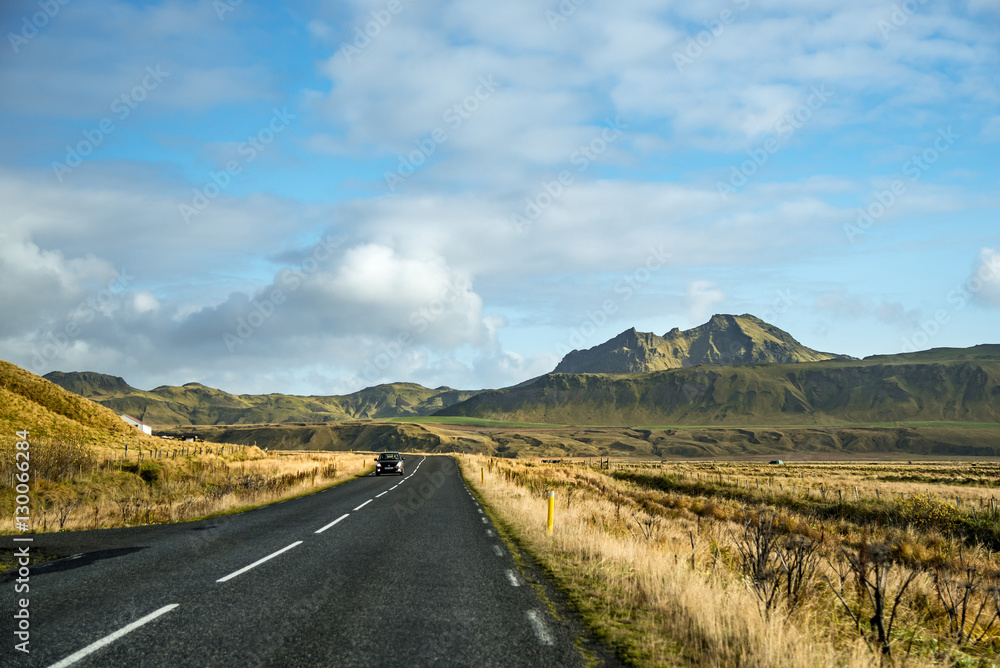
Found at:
<point>552,511</point>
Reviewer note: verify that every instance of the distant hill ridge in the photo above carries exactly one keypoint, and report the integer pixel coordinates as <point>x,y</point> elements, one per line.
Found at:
<point>948,385</point>
<point>194,403</point>
<point>724,339</point>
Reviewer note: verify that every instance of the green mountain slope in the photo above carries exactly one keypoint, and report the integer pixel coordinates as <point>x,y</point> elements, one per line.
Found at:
<point>725,339</point>
<point>948,385</point>
<point>195,403</point>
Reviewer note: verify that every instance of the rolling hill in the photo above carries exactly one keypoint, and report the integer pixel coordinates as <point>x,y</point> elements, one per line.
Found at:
<point>195,403</point>
<point>50,412</point>
<point>945,385</point>
<point>725,339</point>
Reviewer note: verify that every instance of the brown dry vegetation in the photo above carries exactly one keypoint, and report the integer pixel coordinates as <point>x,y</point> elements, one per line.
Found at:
<point>76,486</point>
<point>677,566</point>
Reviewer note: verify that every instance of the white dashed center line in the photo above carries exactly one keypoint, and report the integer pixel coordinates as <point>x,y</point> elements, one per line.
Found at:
<point>259,562</point>
<point>107,640</point>
<point>541,630</point>
<point>342,517</point>
<point>382,494</point>
<point>364,504</point>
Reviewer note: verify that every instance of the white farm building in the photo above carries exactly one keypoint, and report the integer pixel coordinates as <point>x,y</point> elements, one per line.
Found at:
<point>138,424</point>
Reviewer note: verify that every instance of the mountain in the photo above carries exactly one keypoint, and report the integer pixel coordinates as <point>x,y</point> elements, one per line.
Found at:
<point>195,403</point>
<point>725,339</point>
<point>47,411</point>
<point>943,385</point>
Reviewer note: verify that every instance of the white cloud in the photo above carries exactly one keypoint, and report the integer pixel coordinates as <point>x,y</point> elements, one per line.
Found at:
<point>702,298</point>
<point>984,282</point>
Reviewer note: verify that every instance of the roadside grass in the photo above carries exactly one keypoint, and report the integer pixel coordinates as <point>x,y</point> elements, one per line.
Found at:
<point>76,487</point>
<point>654,564</point>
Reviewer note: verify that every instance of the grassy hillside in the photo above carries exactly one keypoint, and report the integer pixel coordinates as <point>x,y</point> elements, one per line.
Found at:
<point>195,403</point>
<point>49,412</point>
<point>945,386</point>
<point>725,339</point>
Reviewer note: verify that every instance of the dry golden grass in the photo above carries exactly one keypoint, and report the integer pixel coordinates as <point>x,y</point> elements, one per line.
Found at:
<point>625,553</point>
<point>75,487</point>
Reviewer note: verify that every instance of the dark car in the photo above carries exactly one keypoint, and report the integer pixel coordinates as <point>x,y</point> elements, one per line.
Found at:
<point>389,462</point>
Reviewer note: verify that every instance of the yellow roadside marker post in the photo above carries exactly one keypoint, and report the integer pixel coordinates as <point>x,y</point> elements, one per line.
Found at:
<point>483,471</point>
<point>552,510</point>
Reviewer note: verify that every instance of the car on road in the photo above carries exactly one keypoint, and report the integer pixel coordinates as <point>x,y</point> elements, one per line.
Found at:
<point>389,462</point>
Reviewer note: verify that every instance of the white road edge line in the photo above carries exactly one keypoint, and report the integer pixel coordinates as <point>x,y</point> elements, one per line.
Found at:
<point>364,504</point>
<point>342,517</point>
<point>513,579</point>
<point>541,630</point>
<point>498,550</point>
<point>485,521</point>
<point>107,640</point>
<point>259,562</point>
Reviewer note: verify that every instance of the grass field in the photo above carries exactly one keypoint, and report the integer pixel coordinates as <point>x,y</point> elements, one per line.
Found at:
<point>76,486</point>
<point>750,564</point>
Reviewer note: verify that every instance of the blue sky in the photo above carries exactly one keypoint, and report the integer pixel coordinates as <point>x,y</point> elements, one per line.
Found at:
<point>309,197</point>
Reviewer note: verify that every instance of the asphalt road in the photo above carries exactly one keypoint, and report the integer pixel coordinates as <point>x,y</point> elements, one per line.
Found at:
<point>379,571</point>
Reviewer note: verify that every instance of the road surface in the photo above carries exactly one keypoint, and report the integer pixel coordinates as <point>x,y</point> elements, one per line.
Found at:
<point>379,571</point>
